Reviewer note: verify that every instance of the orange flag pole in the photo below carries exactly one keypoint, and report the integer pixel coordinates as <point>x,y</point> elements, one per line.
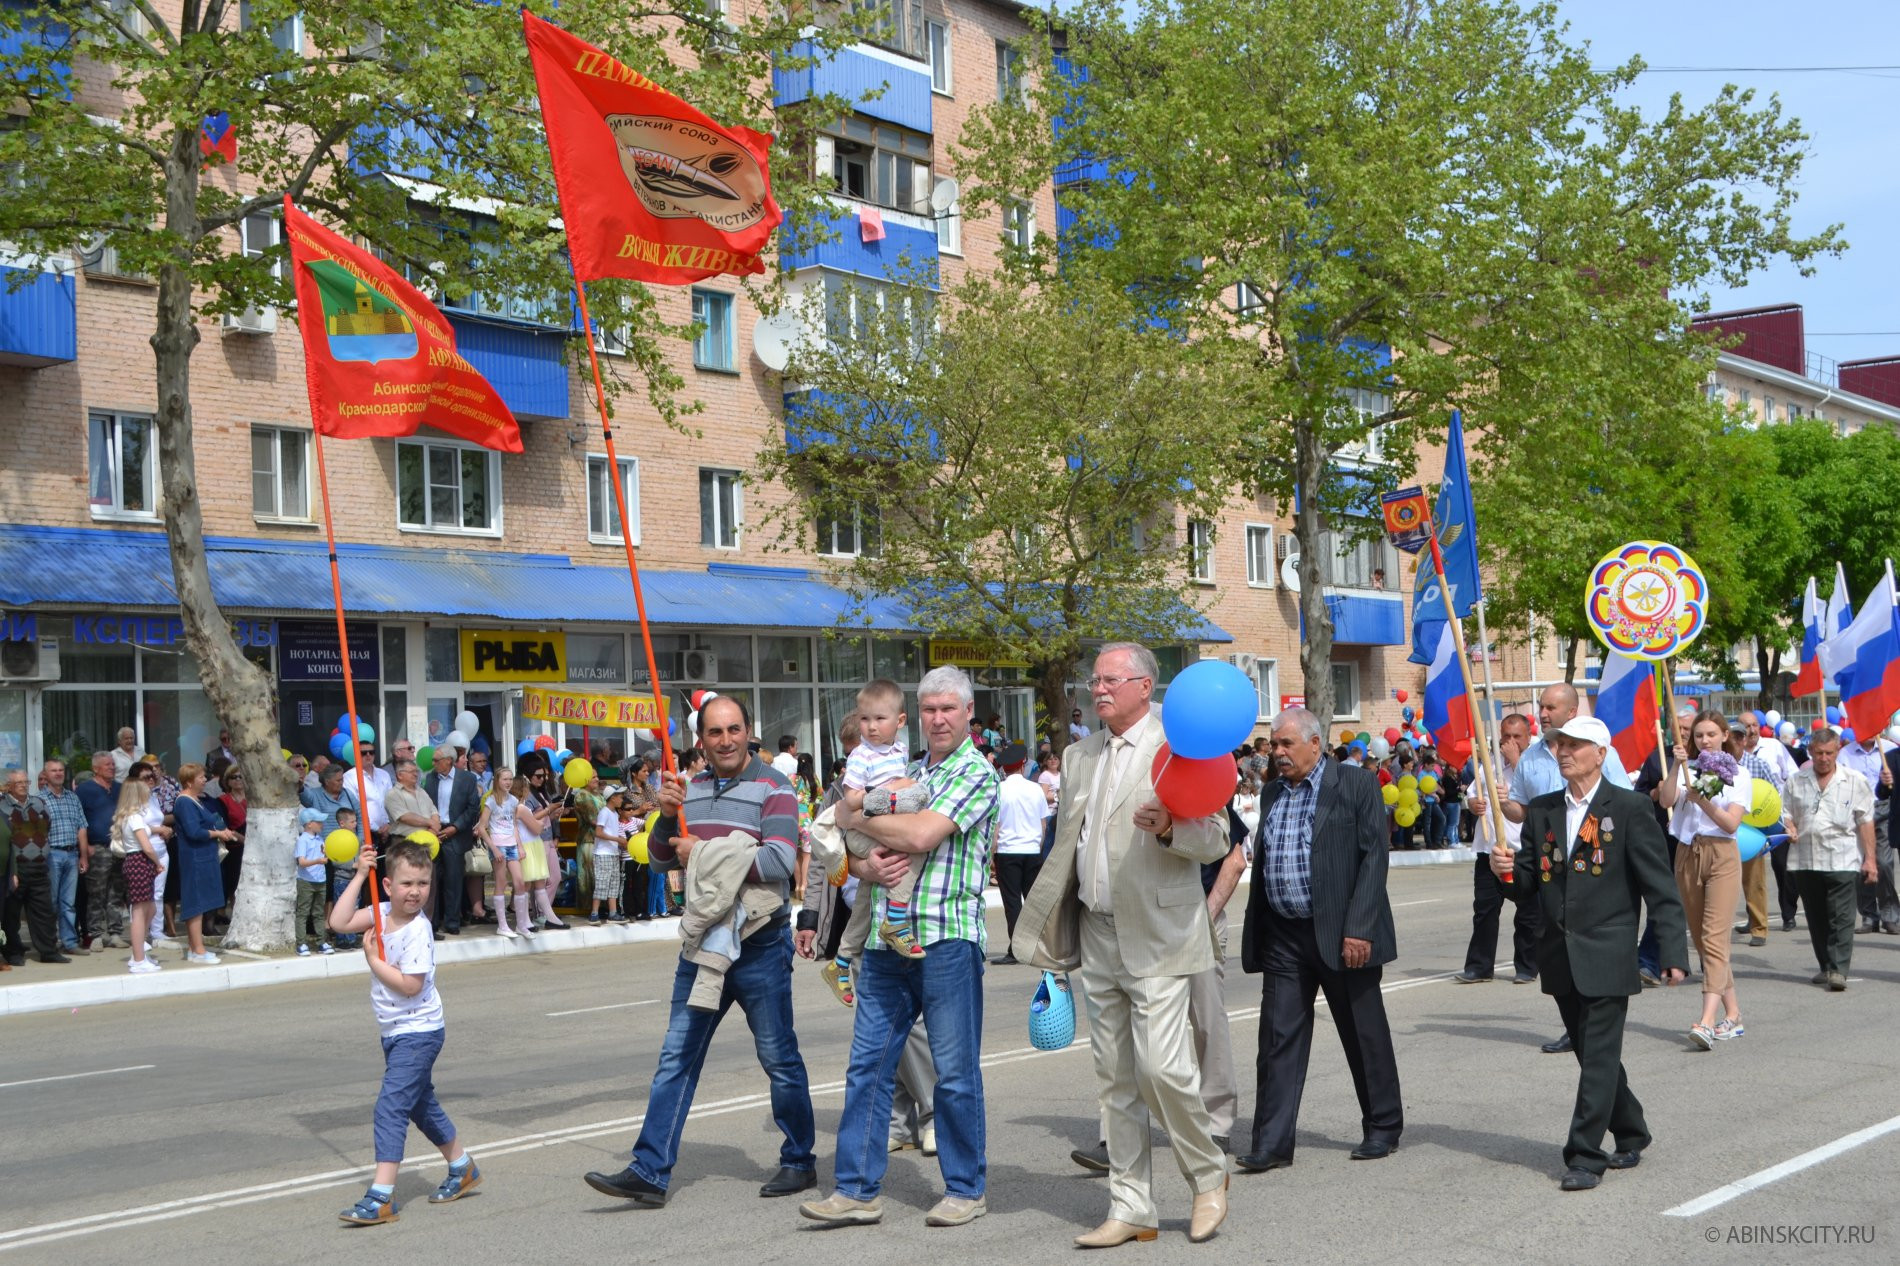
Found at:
<point>626,539</point>
<point>349,688</point>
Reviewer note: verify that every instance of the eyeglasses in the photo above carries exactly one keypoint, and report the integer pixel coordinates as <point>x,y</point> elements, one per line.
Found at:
<point>1114,683</point>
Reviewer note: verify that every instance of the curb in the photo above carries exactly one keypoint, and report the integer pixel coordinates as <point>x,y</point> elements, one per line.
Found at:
<point>1431,857</point>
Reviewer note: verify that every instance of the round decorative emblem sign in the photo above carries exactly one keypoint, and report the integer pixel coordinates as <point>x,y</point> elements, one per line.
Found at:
<point>1647,600</point>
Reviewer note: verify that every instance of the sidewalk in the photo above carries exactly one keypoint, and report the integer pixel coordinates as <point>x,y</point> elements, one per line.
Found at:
<point>92,980</point>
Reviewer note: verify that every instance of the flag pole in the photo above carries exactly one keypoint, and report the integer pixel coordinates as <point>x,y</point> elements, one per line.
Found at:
<point>1490,691</point>
<point>626,539</point>
<point>1478,730</point>
<point>349,686</point>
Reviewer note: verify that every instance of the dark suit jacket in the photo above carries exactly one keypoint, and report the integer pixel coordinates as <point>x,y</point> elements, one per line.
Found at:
<point>1587,941</point>
<point>465,803</point>
<point>1348,869</point>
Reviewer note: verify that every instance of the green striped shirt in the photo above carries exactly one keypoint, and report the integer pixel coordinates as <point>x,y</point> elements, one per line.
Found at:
<point>947,904</point>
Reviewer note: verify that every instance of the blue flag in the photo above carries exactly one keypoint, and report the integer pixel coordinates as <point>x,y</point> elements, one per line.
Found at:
<point>1457,526</point>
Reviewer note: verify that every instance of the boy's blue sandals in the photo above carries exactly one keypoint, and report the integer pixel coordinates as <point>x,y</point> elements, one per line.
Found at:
<point>457,1185</point>
<point>370,1210</point>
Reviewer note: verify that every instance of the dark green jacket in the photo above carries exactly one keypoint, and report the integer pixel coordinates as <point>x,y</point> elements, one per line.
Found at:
<point>1592,917</point>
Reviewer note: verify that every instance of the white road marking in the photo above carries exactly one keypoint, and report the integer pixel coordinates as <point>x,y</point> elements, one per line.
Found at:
<point>1775,1173</point>
<point>165,1211</point>
<point>100,1072</point>
<point>1428,901</point>
<point>612,1006</point>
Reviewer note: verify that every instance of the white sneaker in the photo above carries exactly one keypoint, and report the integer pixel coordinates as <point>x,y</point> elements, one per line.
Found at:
<point>207,958</point>
<point>326,948</point>
<point>303,951</point>
<point>141,966</point>
<point>510,933</point>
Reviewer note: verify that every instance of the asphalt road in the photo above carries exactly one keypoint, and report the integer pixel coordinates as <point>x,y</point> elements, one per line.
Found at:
<point>230,1128</point>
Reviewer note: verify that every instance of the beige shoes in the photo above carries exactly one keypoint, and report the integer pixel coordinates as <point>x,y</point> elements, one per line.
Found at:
<point>1210,1210</point>
<point>956,1211</point>
<point>838,1209</point>
<point>1114,1232</point>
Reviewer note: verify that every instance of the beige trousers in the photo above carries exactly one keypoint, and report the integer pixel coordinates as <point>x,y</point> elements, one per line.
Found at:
<point>1213,1047</point>
<point>1143,1044</point>
<point>1709,877</point>
<point>1755,894</point>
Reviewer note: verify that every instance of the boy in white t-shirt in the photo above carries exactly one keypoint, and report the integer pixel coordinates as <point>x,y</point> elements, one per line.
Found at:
<point>610,859</point>
<point>875,783</point>
<point>409,1014</point>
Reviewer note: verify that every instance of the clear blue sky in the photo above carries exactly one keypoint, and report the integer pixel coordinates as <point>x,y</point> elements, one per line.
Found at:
<point>1852,174</point>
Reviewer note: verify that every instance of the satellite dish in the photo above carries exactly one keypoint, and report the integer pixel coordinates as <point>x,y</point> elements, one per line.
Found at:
<point>772,340</point>
<point>1290,573</point>
<point>944,194</point>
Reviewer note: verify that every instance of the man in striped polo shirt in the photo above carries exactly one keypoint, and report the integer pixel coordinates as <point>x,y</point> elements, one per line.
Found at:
<point>945,987</point>
<point>736,793</point>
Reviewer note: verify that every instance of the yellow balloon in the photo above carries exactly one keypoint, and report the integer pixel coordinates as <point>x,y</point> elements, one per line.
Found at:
<point>428,840</point>
<point>1408,783</point>
<point>1428,784</point>
<point>341,847</point>
<point>1389,793</point>
<point>577,773</point>
<point>1406,817</point>
<point>1766,809</point>
<point>285,751</point>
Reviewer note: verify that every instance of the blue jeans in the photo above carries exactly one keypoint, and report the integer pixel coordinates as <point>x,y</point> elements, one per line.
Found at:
<point>1648,952</point>
<point>761,983</point>
<point>946,988</point>
<point>62,875</point>
<point>408,1094</point>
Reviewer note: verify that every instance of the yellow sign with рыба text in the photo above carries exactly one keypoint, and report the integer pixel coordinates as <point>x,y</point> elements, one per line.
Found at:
<point>513,655</point>
<point>583,707</point>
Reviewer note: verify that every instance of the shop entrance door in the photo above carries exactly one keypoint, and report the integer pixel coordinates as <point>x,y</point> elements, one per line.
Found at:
<point>491,709</point>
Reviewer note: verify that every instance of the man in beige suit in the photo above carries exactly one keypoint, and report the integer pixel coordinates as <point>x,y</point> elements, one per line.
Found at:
<point>1120,895</point>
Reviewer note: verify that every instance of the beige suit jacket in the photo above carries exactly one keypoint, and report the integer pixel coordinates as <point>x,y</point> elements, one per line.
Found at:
<point>1160,908</point>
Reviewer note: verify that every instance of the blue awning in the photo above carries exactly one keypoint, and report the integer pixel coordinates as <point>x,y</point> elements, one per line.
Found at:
<point>131,570</point>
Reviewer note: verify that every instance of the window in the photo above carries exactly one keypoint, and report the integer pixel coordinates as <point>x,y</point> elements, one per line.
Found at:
<point>261,232</point>
<point>720,508</point>
<point>286,36</point>
<point>1345,692</point>
<point>1266,684</point>
<point>603,516</point>
<point>1009,72</point>
<point>123,466</point>
<point>1019,225</point>
<point>1200,543</point>
<point>712,312</point>
<point>447,488</point>
<point>853,306</point>
<point>881,164</point>
<point>1767,409</point>
<point>1248,299</point>
<point>937,48</point>
<point>849,535</point>
<point>894,24</point>
<point>280,473</point>
<point>1367,407</point>
<point>1366,563</point>
<point>1260,556</point>
<point>949,224</point>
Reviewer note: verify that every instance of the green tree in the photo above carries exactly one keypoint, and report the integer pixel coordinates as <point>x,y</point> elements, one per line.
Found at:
<point>1449,179</point>
<point>328,96</point>
<point>1019,466</point>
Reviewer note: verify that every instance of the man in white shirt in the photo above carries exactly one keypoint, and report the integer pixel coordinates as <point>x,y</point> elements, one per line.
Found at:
<point>379,786</point>
<point>1022,808</point>
<point>127,753</point>
<point>1514,735</point>
<point>1537,773</point>
<point>786,762</point>
<point>1077,731</point>
<point>1879,909</point>
<point>1830,817</point>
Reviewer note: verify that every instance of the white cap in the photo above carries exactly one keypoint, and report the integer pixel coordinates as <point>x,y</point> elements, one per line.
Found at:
<point>1587,730</point>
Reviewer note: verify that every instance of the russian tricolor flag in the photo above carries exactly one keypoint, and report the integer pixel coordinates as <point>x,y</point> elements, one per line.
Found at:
<point>1809,680</point>
<point>1840,614</point>
<point>1865,660</point>
<point>1447,709</point>
<point>1626,703</point>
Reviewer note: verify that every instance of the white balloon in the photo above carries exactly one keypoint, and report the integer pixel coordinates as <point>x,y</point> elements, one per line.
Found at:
<point>1786,731</point>
<point>1378,748</point>
<point>468,723</point>
<point>1774,718</point>
<point>1893,734</point>
<point>454,741</point>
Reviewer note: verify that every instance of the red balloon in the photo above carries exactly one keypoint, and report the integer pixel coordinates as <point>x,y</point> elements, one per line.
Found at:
<point>1193,788</point>
<point>1820,723</point>
<point>544,742</point>
<point>1767,731</point>
<point>1400,695</point>
<point>1393,734</point>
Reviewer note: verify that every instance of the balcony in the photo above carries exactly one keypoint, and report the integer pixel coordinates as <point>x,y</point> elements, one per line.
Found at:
<point>36,47</point>
<point>39,321</point>
<point>523,362</point>
<point>879,85</point>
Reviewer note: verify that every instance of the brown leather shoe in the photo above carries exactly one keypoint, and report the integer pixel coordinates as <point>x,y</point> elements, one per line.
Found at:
<point>1210,1210</point>
<point>1113,1232</point>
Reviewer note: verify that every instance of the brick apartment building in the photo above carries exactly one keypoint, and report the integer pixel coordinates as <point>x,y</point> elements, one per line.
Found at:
<point>445,546</point>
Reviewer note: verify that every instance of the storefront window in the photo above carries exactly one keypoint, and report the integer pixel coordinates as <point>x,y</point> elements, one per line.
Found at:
<point>12,729</point>
<point>842,660</point>
<point>784,659</point>
<point>900,659</point>
<point>734,655</point>
<point>395,655</point>
<point>395,718</point>
<point>597,658</point>
<point>442,658</point>
<point>89,662</point>
<point>180,726</point>
<point>171,665</point>
<point>784,712</point>
<point>78,723</point>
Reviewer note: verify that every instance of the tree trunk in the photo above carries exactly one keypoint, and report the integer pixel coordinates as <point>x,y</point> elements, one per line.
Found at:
<point>1316,645</point>
<point>240,692</point>
<point>1572,652</point>
<point>1052,694</point>
<point>1768,665</point>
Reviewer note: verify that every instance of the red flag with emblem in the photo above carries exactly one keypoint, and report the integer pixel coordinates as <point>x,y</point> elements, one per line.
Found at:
<point>651,189</point>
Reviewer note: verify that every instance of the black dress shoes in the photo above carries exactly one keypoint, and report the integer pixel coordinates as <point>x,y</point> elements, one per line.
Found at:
<point>1579,1180</point>
<point>1373,1149</point>
<point>1469,977</point>
<point>1625,1160</point>
<point>1561,1046</point>
<point>789,1182</point>
<point>54,958</point>
<point>627,1185</point>
<point>1261,1162</point>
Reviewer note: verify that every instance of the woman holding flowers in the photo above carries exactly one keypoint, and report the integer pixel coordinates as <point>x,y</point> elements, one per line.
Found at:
<point>1707,794</point>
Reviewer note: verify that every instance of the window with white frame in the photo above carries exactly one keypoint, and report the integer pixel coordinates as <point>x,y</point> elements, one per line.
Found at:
<point>1009,72</point>
<point>1266,684</point>
<point>1200,543</point>
<point>712,313</point>
<point>895,24</point>
<point>286,35</point>
<point>603,515</point>
<point>280,473</point>
<point>1353,559</point>
<point>1260,555</point>
<point>1767,409</point>
<point>122,460</point>
<point>1345,692</point>
<point>880,163</point>
<point>1019,225</point>
<point>721,508</point>
<point>949,222</point>
<point>261,232</point>
<point>937,48</point>
<point>854,304</point>
<point>1249,299</point>
<point>850,535</point>
<point>1367,407</point>
<point>447,488</point>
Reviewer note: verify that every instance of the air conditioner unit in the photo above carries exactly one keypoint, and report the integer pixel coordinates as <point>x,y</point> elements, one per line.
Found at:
<point>698,665</point>
<point>1245,661</point>
<point>30,661</point>
<point>251,321</point>
<point>1285,546</point>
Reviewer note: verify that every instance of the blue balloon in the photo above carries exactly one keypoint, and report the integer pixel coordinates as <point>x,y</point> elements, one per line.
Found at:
<point>1750,842</point>
<point>342,749</point>
<point>1209,710</point>
<point>1408,714</point>
<point>1833,715</point>
<point>525,746</point>
<point>1848,735</point>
